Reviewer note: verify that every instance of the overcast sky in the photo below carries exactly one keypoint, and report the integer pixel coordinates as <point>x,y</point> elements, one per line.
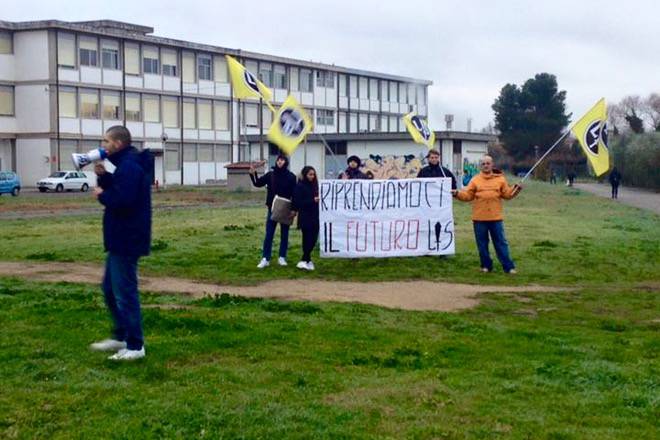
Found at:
<point>469,49</point>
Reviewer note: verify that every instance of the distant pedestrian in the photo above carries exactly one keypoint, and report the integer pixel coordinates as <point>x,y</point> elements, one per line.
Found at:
<point>570,178</point>
<point>553,177</point>
<point>279,181</point>
<point>615,181</point>
<point>486,190</point>
<point>306,205</point>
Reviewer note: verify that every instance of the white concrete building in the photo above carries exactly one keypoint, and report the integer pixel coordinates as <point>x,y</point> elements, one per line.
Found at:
<point>62,84</point>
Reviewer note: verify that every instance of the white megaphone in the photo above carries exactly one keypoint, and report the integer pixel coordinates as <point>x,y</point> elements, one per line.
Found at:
<point>82,160</point>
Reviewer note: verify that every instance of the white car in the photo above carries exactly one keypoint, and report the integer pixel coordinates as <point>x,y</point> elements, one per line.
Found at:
<point>64,181</point>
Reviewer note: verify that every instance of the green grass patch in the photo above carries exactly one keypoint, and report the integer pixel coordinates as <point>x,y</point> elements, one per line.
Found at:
<point>584,364</point>
<point>555,238</point>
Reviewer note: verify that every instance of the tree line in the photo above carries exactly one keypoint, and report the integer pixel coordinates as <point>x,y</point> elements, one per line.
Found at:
<point>531,117</point>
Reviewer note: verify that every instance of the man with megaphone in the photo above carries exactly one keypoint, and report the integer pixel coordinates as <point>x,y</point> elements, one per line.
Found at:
<point>126,195</point>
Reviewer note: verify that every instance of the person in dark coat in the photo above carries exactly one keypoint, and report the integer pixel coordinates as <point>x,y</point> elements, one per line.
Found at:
<point>306,205</point>
<point>353,171</point>
<point>281,182</point>
<point>615,181</point>
<point>434,169</point>
<point>126,195</point>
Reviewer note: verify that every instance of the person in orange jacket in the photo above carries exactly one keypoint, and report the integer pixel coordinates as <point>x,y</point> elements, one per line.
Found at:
<point>486,191</point>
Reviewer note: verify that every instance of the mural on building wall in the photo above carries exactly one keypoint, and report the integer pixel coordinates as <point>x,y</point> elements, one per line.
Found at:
<point>392,166</point>
<point>470,169</point>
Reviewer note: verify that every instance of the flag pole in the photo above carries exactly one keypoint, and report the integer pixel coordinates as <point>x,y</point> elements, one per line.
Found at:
<point>327,147</point>
<point>545,154</point>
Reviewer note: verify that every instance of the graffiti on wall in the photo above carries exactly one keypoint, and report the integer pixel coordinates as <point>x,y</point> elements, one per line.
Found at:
<point>391,166</point>
<point>470,169</point>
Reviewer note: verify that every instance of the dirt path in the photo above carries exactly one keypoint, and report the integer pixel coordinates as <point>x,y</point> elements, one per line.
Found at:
<point>407,295</point>
<point>637,197</point>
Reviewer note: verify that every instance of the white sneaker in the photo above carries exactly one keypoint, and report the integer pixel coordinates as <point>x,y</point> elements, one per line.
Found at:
<point>282,262</point>
<point>310,266</point>
<point>301,265</point>
<point>108,345</point>
<point>128,355</point>
<point>263,263</point>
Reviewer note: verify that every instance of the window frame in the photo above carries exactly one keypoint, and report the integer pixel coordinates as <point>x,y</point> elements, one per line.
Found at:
<point>12,97</point>
<point>208,58</point>
<point>82,92</point>
<point>95,51</point>
<point>10,36</point>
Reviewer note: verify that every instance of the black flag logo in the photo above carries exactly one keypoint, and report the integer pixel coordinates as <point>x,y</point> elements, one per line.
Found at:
<point>292,123</point>
<point>251,81</point>
<point>593,134</point>
<point>421,127</point>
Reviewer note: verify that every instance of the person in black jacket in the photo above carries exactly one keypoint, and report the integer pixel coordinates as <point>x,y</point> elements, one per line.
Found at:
<point>434,169</point>
<point>126,195</point>
<point>353,170</point>
<point>306,205</point>
<point>281,182</point>
<point>615,181</point>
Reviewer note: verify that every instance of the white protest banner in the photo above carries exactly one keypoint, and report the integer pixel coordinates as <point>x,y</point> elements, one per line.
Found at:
<point>386,218</point>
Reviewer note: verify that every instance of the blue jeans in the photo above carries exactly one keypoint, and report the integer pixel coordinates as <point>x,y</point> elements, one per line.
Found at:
<point>120,289</point>
<point>270,234</point>
<point>496,231</point>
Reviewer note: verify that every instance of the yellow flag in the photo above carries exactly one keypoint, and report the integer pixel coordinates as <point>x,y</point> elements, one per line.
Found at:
<point>591,132</point>
<point>419,130</point>
<point>245,84</point>
<point>290,126</point>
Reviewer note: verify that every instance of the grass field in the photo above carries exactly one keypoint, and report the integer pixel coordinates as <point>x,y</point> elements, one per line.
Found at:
<point>583,363</point>
<point>557,236</point>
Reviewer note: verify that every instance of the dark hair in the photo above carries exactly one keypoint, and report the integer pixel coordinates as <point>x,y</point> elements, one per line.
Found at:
<point>286,161</point>
<point>433,151</point>
<point>119,133</point>
<point>303,173</point>
<point>354,159</point>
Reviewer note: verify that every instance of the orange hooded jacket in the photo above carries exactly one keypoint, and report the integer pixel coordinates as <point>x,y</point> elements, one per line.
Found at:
<point>487,192</point>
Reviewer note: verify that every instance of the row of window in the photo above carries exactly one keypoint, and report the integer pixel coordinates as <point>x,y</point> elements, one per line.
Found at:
<point>147,59</point>
<point>381,90</point>
<point>218,153</point>
<point>204,114</point>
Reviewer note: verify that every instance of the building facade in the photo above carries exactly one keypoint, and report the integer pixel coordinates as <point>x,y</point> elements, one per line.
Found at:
<point>62,84</point>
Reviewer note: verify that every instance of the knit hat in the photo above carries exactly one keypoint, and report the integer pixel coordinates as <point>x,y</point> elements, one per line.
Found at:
<point>353,159</point>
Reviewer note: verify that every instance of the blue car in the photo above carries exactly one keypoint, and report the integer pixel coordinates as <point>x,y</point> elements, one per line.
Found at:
<point>9,183</point>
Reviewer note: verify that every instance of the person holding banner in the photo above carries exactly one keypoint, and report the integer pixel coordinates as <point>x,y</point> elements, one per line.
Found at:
<point>486,190</point>
<point>353,171</point>
<point>434,169</point>
<point>279,181</point>
<point>306,205</point>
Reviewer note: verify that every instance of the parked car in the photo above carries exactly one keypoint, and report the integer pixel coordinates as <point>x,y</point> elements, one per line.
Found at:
<point>64,181</point>
<point>9,183</point>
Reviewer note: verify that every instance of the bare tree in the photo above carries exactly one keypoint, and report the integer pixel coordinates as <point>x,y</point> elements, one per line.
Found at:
<point>632,107</point>
<point>651,110</point>
<point>617,119</point>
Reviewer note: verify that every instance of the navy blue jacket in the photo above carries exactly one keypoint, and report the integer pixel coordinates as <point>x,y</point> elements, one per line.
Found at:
<point>127,200</point>
<point>305,206</point>
<point>437,171</point>
<point>278,181</point>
